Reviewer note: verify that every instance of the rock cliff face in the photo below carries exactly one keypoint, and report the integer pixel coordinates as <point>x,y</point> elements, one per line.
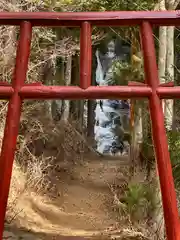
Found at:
<point>111,116</point>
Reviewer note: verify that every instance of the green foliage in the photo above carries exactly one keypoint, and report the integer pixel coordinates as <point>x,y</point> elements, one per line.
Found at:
<point>174,149</point>
<point>138,200</point>
<point>114,5</point>
<point>124,72</point>
<point>147,149</point>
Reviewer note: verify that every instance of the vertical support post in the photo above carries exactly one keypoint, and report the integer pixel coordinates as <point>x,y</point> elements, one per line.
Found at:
<point>85,55</point>
<point>159,137</point>
<point>13,118</point>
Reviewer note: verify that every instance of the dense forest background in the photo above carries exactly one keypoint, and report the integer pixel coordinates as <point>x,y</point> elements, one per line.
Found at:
<point>57,135</point>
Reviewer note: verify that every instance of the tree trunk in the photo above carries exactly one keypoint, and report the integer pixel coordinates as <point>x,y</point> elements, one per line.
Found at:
<point>162,49</point>
<point>74,82</point>
<point>170,73</point>
<point>66,112</point>
<point>91,105</point>
<point>158,217</point>
<point>162,53</point>
<point>171,5</point>
<point>80,105</point>
<point>176,110</point>
<point>47,79</point>
<point>90,119</point>
<point>166,70</point>
<point>136,109</point>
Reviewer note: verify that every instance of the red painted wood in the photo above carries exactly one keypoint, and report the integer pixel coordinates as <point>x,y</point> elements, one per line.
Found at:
<point>168,92</point>
<point>97,18</point>
<point>85,55</point>
<point>13,118</point>
<point>28,84</point>
<point>4,83</point>
<point>6,92</point>
<point>133,83</point>
<point>167,84</point>
<point>34,84</point>
<point>152,90</point>
<point>159,137</point>
<point>74,92</point>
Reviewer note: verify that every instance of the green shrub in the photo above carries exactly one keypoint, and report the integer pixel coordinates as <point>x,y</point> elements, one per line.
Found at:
<point>174,149</point>
<point>138,200</point>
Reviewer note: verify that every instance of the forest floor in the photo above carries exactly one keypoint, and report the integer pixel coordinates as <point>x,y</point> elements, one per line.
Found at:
<point>83,207</point>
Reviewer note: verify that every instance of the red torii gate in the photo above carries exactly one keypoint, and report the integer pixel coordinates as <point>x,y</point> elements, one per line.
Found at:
<point>18,90</point>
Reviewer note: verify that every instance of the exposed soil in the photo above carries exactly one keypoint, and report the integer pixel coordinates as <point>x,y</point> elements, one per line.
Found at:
<point>83,207</point>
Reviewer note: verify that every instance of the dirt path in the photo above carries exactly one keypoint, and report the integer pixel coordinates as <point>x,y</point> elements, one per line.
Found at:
<point>84,206</point>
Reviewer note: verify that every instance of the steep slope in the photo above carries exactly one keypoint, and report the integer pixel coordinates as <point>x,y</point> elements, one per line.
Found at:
<point>84,206</point>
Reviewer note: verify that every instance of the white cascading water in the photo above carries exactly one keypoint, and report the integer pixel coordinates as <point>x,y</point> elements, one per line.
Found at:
<point>109,114</point>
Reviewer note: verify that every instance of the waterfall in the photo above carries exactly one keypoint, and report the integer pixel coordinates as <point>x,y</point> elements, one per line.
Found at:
<point>109,114</point>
